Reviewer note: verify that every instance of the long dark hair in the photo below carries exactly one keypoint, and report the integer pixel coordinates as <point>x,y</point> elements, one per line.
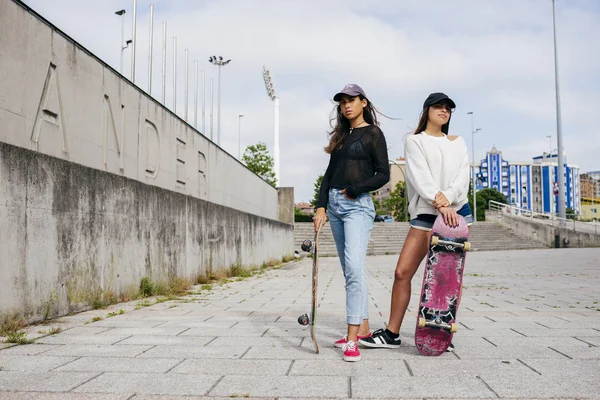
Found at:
<point>341,129</point>
<point>423,118</point>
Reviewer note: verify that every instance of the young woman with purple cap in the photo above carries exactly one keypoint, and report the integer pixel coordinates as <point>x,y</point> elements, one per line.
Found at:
<point>437,182</point>
<point>358,165</point>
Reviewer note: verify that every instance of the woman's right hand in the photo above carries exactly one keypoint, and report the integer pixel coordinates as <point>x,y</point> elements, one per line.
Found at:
<point>440,201</point>
<point>319,218</point>
<point>450,216</point>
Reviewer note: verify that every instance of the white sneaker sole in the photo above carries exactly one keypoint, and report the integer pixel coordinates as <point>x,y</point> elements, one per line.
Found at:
<point>352,359</point>
<point>379,345</point>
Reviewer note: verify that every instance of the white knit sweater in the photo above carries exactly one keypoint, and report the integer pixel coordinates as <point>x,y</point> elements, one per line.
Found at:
<point>435,164</point>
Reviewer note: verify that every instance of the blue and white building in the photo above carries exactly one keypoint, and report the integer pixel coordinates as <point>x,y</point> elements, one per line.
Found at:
<point>530,185</point>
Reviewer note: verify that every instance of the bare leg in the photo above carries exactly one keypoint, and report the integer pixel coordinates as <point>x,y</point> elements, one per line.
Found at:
<point>352,332</point>
<point>413,251</point>
<point>364,328</point>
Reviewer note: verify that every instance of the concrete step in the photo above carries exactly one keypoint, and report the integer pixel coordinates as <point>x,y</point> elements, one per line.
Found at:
<point>388,238</point>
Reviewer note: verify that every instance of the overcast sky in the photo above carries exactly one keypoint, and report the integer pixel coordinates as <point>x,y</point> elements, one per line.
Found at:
<point>493,57</point>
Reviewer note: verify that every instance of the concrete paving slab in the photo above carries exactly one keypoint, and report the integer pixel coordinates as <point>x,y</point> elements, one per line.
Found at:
<point>120,364</point>
<point>308,386</point>
<point>43,381</point>
<point>98,350</point>
<point>213,366</point>
<point>162,384</point>
<point>15,362</point>
<point>81,339</point>
<point>61,396</point>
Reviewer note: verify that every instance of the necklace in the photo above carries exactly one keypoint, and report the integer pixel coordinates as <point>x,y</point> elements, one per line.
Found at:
<point>357,125</point>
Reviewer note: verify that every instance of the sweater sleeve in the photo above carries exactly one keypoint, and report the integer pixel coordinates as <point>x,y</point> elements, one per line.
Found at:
<point>381,167</point>
<point>417,171</point>
<point>324,189</point>
<point>460,184</point>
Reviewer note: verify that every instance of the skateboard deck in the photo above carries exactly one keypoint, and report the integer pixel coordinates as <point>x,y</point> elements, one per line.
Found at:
<point>312,247</point>
<point>441,289</point>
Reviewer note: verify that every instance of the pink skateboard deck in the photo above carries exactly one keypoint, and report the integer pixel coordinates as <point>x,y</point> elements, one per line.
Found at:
<point>441,289</point>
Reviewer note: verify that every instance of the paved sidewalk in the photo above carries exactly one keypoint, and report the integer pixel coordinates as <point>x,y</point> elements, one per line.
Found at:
<point>530,329</point>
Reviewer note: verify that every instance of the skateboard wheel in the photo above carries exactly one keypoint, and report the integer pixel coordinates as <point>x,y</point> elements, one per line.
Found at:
<point>303,319</point>
<point>421,323</point>
<point>467,246</point>
<point>434,240</point>
<point>454,328</point>
<point>307,246</point>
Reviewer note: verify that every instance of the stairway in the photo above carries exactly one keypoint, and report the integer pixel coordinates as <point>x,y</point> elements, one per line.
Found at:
<point>387,238</point>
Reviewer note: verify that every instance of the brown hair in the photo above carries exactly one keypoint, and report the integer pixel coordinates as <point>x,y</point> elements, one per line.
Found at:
<point>342,125</point>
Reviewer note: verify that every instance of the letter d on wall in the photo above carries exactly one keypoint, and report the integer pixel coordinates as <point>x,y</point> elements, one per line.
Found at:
<point>152,150</point>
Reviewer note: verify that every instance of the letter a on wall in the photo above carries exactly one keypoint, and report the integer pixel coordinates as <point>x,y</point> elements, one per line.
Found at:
<point>49,120</point>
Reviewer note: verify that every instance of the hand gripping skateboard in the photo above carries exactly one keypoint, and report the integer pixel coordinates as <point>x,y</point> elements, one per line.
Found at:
<point>441,289</point>
<point>312,247</point>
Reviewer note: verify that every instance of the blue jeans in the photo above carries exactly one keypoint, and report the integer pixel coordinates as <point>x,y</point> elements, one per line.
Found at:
<point>351,224</point>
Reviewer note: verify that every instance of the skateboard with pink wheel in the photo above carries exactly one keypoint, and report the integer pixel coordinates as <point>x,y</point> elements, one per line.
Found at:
<point>441,289</point>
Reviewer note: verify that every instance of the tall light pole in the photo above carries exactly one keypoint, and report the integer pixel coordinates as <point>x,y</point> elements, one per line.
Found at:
<point>240,136</point>
<point>164,64</point>
<point>219,62</point>
<point>473,132</point>
<point>562,211</point>
<point>150,49</point>
<point>272,96</point>
<point>134,39</point>
<point>187,87</point>
<point>549,143</point>
<point>175,74</point>
<point>121,13</point>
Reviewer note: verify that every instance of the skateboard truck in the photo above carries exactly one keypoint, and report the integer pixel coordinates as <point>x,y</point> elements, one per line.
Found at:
<point>466,246</point>
<point>437,323</point>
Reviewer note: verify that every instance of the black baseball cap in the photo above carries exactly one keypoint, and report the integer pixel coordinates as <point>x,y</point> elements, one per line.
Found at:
<point>436,98</point>
<point>351,89</point>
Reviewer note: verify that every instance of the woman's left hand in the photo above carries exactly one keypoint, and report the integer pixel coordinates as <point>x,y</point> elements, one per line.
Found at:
<point>343,191</point>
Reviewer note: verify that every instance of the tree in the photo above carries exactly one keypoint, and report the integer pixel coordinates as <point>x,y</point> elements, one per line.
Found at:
<point>483,200</point>
<point>299,216</point>
<point>481,203</point>
<point>318,182</point>
<point>257,159</point>
<point>397,203</point>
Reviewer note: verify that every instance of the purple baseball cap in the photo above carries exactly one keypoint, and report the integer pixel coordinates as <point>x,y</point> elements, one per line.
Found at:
<point>351,89</point>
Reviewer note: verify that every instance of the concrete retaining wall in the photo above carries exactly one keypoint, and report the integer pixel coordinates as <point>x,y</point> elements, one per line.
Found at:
<point>549,235</point>
<point>70,232</point>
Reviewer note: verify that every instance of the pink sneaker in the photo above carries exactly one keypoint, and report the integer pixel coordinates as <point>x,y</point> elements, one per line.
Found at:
<point>351,352</point>
<point>340,343</point>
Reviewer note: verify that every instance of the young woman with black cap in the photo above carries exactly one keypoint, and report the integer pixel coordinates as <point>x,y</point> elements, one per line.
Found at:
<point>437,182</point>
<point>358,165</point>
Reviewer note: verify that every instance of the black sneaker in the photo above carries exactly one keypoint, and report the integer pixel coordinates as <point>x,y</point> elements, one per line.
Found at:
<point>450,348</point>
<point>380,338</point>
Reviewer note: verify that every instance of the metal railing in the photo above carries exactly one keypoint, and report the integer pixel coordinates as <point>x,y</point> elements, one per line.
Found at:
<point>508,210</point>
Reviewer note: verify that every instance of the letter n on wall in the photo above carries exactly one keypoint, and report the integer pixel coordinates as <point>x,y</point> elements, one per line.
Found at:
<point>50,118</point>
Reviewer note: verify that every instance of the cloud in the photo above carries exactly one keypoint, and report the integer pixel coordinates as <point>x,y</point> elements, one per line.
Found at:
<point>492,57</point>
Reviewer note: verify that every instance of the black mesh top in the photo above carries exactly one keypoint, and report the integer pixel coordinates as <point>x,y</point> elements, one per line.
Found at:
<point>360,166</point>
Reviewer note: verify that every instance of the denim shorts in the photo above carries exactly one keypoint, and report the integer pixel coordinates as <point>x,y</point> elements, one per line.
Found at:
<point>425,222</point>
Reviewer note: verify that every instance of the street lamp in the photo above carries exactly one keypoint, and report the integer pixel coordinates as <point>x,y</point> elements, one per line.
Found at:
<point>240,136</point>
<point>218,61</point>
<point>121,13</point>
<point>271,93</point>
<point>562,212</point>
<point>473,132</point>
